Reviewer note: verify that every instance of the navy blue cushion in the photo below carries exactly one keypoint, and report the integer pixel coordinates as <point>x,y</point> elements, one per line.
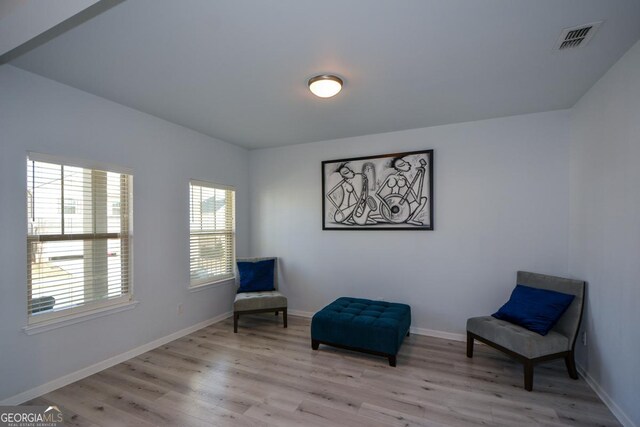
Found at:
<point>256,276</point>
<point>362,324</point>
<point>535,309</point>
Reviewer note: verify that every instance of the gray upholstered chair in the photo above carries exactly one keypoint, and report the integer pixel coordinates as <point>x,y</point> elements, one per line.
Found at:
<point>259,302</point>
<point>530,347</point>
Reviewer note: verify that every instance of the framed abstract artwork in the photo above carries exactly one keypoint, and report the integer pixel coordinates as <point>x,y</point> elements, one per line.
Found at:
<point>384,192</point>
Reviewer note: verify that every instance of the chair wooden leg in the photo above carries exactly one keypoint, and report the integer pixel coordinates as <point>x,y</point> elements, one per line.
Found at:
<point>315,344</point>
<point>236,316</point>
<point>408,333</point>
<point>276,312</point>
<point>469,344</point>
<point>284,317</point>
<point>571,365</point>
<point>528,375</point>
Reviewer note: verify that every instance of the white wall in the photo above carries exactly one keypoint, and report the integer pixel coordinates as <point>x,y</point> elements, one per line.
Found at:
<point>40,115</point>
<point>605,229</point>
<point>501,204</point>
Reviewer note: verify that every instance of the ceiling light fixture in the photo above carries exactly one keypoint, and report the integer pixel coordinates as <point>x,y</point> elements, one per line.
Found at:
<point>325,85</point>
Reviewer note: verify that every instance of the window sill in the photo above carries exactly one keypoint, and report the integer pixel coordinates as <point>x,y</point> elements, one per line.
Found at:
<point>77,318</point>
<point>216,284</point>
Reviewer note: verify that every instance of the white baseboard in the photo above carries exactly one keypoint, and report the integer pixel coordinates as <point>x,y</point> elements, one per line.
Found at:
<point>300,313</point>
<point>438,334</point>
<point>100,366</point>
<point>613,406</point>
<point>418,331</point>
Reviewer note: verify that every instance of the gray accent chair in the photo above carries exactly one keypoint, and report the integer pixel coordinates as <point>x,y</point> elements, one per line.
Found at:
<point>259,302</point>
<point>530,347</point>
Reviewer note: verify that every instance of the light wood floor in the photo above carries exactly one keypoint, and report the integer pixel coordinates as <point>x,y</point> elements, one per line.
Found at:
<point>267,375</point>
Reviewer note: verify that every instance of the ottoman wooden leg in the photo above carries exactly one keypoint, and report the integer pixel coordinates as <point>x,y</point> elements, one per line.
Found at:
<point>284,317</point>
<point>392,360</point>
<point>236,316</point>
<point>315,344</point>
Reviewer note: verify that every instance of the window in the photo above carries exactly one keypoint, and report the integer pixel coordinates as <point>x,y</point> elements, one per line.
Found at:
<point>69,206</point>
<point>78,250</point>
<point>115,208</point>
<point>212,232</point>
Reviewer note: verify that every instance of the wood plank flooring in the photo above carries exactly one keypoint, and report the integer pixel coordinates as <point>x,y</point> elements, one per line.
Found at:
<point>269,376</point>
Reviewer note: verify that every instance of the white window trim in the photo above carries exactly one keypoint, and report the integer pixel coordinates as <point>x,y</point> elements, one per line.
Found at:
<point>213,281</point>
<point>81,163</point>
<point>210,184</point>
<point>80,310</point>
<point>55,320</point>
<point>73,318</point>
<point>216,284</point>
<point>195,287</point>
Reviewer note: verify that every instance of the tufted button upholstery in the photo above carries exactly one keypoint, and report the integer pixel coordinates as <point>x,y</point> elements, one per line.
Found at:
<point>378,326</point>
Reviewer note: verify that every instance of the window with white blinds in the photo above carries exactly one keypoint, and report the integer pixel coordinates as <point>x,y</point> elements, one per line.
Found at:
<point>78,238</point>
<point>212,232</point>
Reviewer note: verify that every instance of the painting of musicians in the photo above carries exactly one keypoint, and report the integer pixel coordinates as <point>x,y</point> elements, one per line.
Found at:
<point>384,192</point>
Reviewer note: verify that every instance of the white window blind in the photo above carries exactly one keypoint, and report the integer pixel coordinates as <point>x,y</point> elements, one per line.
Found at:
<point>78,238</point>
<point>212,232</point>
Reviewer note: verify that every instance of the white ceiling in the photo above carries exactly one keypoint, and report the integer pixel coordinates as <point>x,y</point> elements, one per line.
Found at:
<point>237,69</point>
<point>23,20</point>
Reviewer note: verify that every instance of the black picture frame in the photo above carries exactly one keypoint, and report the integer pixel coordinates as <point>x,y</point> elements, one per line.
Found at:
<point>382,192</point>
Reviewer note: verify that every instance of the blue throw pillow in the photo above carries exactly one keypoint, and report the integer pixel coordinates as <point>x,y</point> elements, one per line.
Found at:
<point>534,309</point>
<point>256,276</point>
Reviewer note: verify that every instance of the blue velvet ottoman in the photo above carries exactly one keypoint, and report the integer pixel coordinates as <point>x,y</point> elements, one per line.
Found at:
<point>374,327</point>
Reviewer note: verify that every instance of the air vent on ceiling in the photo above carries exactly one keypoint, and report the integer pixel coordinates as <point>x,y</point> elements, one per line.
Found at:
<point>577,36</point>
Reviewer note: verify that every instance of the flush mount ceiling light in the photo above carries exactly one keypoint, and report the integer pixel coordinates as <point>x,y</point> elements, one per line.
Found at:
<point>325,85</point>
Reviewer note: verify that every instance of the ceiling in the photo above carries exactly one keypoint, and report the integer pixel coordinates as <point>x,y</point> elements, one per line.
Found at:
<point>237,69</point>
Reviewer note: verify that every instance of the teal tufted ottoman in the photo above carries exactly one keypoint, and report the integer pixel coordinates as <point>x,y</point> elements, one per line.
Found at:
<point>374,327</point>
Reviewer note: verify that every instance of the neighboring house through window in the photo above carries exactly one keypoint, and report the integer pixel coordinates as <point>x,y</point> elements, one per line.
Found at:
<point>78,249</point>
<point>212,232</point>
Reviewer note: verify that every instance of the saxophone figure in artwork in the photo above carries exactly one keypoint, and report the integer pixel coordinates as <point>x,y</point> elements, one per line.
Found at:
<point>351,196</point>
